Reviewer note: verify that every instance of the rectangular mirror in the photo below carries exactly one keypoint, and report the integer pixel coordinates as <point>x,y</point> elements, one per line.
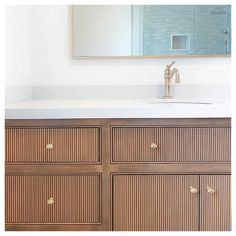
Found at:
<point>151,30</point>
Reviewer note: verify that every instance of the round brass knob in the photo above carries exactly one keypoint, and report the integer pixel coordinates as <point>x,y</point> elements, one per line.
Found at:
<point>193,190</point>
<point>153,145</point>
<point>50,201</point>
<point>210,190</point>
<point>49,146</point>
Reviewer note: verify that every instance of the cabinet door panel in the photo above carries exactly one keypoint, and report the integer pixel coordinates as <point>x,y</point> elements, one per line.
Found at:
<point>52,199</point>
<point>215,203</point>
<point>155,202</point>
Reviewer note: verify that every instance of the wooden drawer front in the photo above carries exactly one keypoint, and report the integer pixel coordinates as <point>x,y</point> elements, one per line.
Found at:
<point>215,207</point>
<point>155,202</point>
<point>131,144</point>
<point>76,199</point>
<point>74,145</point>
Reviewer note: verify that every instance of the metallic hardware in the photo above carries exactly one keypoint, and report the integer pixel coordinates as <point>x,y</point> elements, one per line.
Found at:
<point>193,190</point>
<point>50,201</point>
<point>169,73</point>
<point>210,190</point>
<point>153,145</point>
<point>49,146</point>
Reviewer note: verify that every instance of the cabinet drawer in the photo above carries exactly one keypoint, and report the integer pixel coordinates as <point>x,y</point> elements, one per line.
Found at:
<point>52,199</point>
<point>155,144</point>
<point>70,145</point>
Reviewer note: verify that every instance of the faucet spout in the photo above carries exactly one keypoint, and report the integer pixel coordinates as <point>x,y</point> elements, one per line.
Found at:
<point>175,72</point>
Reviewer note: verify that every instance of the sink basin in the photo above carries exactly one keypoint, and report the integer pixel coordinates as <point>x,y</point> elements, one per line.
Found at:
<point>180,101</point>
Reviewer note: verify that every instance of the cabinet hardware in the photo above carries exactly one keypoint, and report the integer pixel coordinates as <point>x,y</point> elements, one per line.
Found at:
<point>50,201</point>
<point>153,145</point>
<point>49,146</point>
<point>210,190</point>
<point>193,190</point>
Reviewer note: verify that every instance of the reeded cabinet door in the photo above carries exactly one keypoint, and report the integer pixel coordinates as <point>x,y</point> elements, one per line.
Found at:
<point>215,203</point>
<point>53,199</point>
<point>155,202</point>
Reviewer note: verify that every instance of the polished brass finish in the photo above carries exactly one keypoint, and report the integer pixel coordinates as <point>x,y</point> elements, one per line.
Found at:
<point>49,146</point>
<point>153,145</point>
<point>169,73</point>
<point>50,201</point>
<point>210,190</point>
<point>193,190</point>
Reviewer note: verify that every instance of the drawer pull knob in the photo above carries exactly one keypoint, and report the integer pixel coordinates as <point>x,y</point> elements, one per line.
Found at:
<point>153,145</point>
<point>49,146</point>
<point>210,190</point>
<point>193,190</point>
<point>50,201</point>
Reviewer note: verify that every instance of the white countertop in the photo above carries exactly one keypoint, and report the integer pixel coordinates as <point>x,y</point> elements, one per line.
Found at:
<point>116,108</point>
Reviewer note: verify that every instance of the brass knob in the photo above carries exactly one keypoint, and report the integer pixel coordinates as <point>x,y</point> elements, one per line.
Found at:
<point>193,190</point>
<point>50,201</point>
<point>210,190</point>
<point>49,146</point>
<point>153,145</point>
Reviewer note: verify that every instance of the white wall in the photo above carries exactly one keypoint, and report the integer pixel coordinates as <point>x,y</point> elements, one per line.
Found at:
<point>52,63</point>
<point>18,53</point>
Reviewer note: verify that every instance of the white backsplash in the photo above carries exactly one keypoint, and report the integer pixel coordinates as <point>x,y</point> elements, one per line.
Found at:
<point>131,92</point>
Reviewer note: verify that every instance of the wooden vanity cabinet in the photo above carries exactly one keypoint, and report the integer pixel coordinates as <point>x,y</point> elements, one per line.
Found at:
<point>118,174</point>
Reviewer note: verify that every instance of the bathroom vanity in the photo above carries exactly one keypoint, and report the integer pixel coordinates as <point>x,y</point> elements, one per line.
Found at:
<point>152,173</point>
<point>109,145</point>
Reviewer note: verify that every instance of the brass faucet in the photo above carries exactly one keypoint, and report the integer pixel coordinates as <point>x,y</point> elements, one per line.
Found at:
<point>169,73</point>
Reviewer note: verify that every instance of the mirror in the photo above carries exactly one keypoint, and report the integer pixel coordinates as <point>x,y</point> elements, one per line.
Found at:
<point>151,30</point>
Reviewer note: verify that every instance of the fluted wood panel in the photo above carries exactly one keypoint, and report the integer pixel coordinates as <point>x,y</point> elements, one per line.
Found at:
<point>215,207</point>
<point>155,202</point>
<point>73,145</point>
<point>130,144</point>
<point>76,199</point>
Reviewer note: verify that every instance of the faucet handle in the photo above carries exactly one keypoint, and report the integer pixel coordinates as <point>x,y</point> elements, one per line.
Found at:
<point>171,64</point>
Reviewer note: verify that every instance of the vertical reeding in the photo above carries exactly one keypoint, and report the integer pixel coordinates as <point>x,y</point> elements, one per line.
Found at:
<point>174,144</point>
<point>155,202</point>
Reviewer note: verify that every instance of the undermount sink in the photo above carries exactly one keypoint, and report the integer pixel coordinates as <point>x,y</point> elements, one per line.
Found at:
<point>181,101</point>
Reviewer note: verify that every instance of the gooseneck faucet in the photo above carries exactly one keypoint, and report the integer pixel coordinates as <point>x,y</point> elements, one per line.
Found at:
<point>169,73</point>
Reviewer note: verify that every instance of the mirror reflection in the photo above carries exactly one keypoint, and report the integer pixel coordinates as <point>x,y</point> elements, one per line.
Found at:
<point>151,30</point>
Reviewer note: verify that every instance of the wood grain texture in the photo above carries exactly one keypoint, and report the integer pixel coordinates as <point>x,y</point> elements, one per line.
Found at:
<point>186,168</point>
<point>77,199</point>
<point>155,202</point>
<point>54,227</point>
<point>162,122</point>
<point>70,145</point>
<point>100,168</point>
<point>130,144</point>
<point>215,208</point>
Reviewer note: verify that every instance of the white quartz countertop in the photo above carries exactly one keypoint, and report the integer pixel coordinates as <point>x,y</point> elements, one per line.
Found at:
<point>117,108</point>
